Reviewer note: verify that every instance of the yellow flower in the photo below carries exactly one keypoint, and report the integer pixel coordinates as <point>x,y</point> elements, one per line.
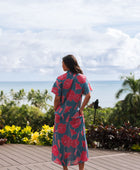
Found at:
<point>34,138</point>
<point>26,130</point>
<point>2,131</point>
<point>25,139</point>
<point>12,128</point>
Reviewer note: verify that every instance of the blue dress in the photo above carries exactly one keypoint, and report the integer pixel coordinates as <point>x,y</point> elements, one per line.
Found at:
<point>69,139</point>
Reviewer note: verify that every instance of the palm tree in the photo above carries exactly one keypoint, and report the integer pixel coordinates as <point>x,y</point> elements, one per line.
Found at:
<point>38,98</point>
<point>131,102</point>
<point>3,98</point>
<point>18,96</point>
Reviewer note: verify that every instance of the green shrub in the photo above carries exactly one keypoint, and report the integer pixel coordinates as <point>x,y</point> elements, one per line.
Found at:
<point>15,134</point>
<point>136,147</point>
<point>110,137</point>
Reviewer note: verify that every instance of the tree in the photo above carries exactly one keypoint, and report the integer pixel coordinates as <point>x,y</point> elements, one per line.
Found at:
<point>131,102</point>
<point>38,98</point>
<point>3,97</point>
<point>18,96</point>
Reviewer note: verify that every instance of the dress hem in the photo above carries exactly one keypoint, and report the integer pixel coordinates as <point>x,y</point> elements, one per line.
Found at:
<point>70,164</point>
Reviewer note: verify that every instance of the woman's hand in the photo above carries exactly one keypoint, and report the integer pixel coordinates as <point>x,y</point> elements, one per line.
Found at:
<point>81,111</point>
<point>56,102</point>
<point>86,99</point>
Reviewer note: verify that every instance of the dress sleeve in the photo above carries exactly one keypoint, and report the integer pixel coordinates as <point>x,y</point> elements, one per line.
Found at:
<point>57,87</point>
<point>86,87</point>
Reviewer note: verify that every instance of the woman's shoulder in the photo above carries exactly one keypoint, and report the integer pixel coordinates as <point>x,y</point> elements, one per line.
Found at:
<point>81,78</point>
<point>62,77</point>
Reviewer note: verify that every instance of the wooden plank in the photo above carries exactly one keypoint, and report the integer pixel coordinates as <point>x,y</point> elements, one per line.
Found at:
<point>41,150</point>
<point>8,160</point>
<point>32,157</point>
<point>23,156</point>
<point>4,163</point>
<point>93,166</point>
<point>53,166</point>
<point>22,167</point>
<point>33,154</point>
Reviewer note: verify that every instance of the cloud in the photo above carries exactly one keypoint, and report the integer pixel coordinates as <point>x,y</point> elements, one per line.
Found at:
<point>35,35</point>
<point>64,14</point>
<point>29,51</point>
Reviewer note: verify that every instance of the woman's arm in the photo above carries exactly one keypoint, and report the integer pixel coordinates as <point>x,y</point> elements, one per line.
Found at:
<point>86,99</point>
<point>56,102</point>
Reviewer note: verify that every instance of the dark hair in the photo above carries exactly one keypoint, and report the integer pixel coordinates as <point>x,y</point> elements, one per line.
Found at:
<point>72,64</point>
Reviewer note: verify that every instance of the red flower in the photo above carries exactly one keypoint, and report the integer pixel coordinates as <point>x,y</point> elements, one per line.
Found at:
<point>84,156</point>
<point>55,90</point>
<point>61,128</point>
<point>90,87</point>
<point>62,77</point>
<point>75,152</point>
<point>81,78</point>
<point>67,109</point>
<point>73,96</point>
<point>67,154</point>
<point>67,120</point>
<point>58,161</point>
<point>67,83</point>
<point>77,86</point>
<point>58,143</point>
<point>75,143</point>
<point>73,132</point>
<point>63,97</point>
<point>76,161</point>
<point>77,97</point>
<point>68,163</point>
<point>66,141</point>
<point>75,123</point>
<point>55,150</point>
<point>57,83</point>
<point>60,110</point>
<point>57,118</point>
<point>83,144</point>
<point>76,115</point>
<point>70,95</point>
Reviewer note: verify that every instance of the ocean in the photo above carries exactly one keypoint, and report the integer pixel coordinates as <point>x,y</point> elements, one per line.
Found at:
<point>104,91</point>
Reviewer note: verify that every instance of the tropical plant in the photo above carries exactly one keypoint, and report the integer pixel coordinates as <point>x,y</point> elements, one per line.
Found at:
<point>22,115</point>
<point>15,134</point>
<point>18,96</point>
<point>38,98</point>
<point>131,103</point>
<point>110,137</point>
<point>102,116</point>
<point>3,97</point>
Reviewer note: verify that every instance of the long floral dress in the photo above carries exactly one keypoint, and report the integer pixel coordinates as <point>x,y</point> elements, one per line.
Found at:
<point>69,139</point>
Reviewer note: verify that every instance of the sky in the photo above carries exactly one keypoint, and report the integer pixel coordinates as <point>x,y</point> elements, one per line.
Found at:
<point>103,35</point>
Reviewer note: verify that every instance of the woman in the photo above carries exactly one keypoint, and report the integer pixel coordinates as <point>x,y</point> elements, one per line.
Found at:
<point>69,139</point>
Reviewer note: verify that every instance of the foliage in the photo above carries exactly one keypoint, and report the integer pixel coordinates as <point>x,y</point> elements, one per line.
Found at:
<point>46,135</point>
<point>3,97</point>
<point>136,147</point>
<point>102,115</point>
<point>15,134</point>
<point>17,97</point>
<point>110,137</point>
<point>49,116</point>
<point>38,98</point>
<point>21,116</point>
<point>129,108</point>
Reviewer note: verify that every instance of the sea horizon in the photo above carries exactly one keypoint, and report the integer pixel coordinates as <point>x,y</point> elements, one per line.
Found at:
<point>103,90</point>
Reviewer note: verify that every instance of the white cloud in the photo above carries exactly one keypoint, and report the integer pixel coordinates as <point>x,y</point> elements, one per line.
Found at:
<point>65,14</point>
<point>35,35</point>
<point>40,51</point>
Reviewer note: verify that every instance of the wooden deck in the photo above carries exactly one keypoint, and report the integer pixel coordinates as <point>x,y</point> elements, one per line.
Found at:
<point>31,157</point>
